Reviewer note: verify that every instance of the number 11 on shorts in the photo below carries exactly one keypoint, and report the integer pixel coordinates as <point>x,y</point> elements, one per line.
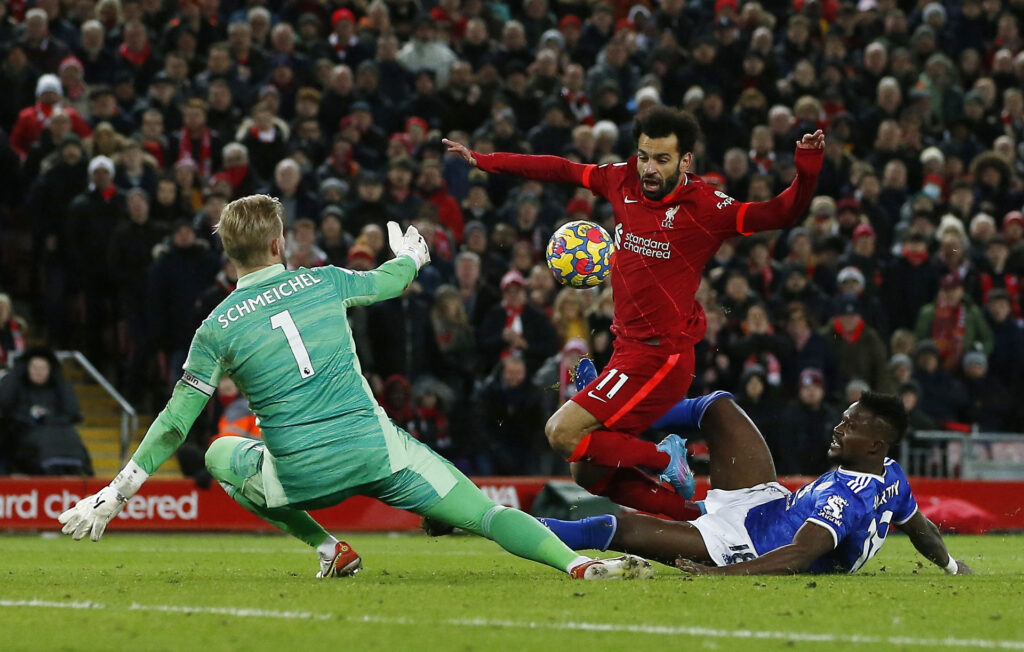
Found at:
<point>614,389</point>
<point>284,321</point>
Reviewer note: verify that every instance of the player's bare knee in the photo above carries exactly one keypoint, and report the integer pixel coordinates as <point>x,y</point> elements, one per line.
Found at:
<point>561,437</point>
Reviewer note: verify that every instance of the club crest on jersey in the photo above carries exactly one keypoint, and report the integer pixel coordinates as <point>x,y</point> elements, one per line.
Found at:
<point>832,510</point>
<point>670,217</point>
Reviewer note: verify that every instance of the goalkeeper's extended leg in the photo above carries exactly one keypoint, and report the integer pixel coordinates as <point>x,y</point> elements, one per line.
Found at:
<point>235,463</point>
<point>465,506</point>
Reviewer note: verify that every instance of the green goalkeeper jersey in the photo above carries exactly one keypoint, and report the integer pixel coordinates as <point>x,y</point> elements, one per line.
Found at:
<point>284,338</point>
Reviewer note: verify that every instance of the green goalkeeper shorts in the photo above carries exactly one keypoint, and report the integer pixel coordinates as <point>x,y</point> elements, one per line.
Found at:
<point>421,485</point>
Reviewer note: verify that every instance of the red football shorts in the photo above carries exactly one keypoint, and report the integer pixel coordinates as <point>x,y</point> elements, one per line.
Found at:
<point>638,386</point>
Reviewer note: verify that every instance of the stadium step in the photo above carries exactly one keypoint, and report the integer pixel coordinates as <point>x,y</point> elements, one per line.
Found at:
<point>100,428</point>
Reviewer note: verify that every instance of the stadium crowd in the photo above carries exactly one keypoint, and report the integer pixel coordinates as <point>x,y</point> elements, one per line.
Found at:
<point>127,125</point>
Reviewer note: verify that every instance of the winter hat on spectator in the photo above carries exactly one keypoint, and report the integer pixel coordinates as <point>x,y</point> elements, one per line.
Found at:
<point>864,230</point>
<point>342,14</point>
<point>416,121</point>
<point>932,10</point>
<point>332,209</point>
<point>471,226</point>
<point>975,358</point>
<point>101,163</point>
<point>900,360</point>
<point>926,346</point>
<point>570,20</point>
<point>579,205</point>
<point>694,94</point>
<point>512,277</point>
<point>847,304</point>
<point>974,97</point>
<point>70,62</point>
<point>647,93</point>
<point>823,205</point>
<point>850,273</point>
<point>796,233</point>
<point>857,384</point>
<point>361,252</point>
<point>847,204</point>
<point>1013,217</point>
<point>332,183</point>
<point>753,370</point>
<point>49,84</point>
<point>552,35</point>
<point>812,376</point>
<point>605,128</point>
<point>716,179</point>
<point>932,154</point>
<point>575,345</point>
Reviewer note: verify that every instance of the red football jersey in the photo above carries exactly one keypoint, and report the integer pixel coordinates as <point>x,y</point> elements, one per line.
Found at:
<point>662,246</point>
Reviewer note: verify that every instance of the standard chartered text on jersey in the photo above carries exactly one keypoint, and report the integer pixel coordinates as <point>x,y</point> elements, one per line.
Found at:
<point>273,295</point>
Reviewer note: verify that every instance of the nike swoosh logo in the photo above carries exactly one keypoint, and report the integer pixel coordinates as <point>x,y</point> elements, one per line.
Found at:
<point>631,201</point>
<point>594,396</point>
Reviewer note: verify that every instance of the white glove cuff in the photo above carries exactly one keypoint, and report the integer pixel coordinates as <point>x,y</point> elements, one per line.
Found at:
<point>951,566</point>
<point>129,480</point>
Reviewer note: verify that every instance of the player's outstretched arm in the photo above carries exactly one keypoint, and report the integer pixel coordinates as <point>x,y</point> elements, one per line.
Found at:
<point>530,166</point>
<point>926,539</point>
<point>92,514</point>
<point>783,211</point>
<point>811,542</point>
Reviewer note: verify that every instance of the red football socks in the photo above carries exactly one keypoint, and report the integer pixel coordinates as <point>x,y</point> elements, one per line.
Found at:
<point>632,488</point>
<point>617,450</point>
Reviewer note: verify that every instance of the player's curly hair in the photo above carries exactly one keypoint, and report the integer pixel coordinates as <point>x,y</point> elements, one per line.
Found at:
<point>664,121</point>
<point>889,409</point>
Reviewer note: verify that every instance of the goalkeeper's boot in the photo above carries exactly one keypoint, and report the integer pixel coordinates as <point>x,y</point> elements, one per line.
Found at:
<point>584,374</point>
<point>677,473</point>
<point>626,567</point>
<point>343,562</point>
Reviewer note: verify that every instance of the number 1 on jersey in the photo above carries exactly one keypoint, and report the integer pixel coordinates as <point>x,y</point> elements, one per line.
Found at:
<point>284,321</point>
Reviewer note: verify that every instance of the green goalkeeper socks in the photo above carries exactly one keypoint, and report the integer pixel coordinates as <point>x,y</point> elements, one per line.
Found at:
<point>524,536</point>
<point>467,507</point>
<point>295,522</point>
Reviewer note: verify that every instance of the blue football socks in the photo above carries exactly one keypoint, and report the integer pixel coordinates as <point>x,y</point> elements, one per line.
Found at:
<point>687,413</point>
<point>594,532</point>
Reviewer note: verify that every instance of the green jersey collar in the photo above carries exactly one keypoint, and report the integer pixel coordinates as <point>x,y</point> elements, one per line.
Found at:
<point>259,276</point>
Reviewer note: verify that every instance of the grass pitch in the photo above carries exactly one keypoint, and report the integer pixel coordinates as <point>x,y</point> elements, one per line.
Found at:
<point>212,592</point>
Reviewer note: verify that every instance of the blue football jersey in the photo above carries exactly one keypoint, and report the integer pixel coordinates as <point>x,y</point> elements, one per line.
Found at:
<point>856,508</point>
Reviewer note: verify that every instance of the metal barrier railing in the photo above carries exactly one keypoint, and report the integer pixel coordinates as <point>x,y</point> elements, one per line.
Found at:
<point>969,456</point>
<point>129,417</point>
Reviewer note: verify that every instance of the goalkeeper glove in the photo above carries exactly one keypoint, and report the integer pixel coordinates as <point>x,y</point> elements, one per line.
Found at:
<point>411,244</point>
<point>92,514</point>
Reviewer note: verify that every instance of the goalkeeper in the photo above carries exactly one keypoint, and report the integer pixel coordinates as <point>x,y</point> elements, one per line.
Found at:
<point>283,337</point>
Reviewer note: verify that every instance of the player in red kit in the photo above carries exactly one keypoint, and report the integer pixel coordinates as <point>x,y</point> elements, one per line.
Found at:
<point>668,224</point>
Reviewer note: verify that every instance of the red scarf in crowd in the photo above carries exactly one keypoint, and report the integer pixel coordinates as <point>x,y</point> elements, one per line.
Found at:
<point>762,163</point>
<point>579,106</point>
<point>109,192</point>
<point>235,176</point>
<point>948,330</point>
<point>915,258</point>
<point>766,275</point>
<point>853,335</point>
<point>17,339</point>
<point>268,136</point>
<point>1011,283</point>
<point>155,150</point>
<point>133,57</point>
<point>205,159</point>
<point>43,111</point>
